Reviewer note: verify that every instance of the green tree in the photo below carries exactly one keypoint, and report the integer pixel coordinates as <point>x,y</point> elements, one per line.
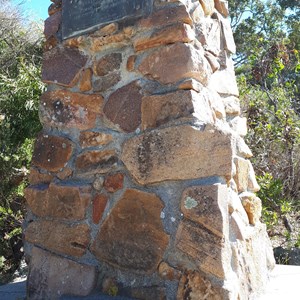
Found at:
<point>267,65</point>
<point>20,88</point>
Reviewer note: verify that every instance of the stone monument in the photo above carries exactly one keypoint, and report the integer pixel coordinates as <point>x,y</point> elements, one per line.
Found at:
<point>141,183</point>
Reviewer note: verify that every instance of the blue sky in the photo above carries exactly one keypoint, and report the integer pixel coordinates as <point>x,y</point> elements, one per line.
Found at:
<point>35,9</point>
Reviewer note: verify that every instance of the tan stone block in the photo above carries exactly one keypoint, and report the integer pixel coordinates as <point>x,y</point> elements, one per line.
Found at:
<point>190,84</point>
<point>99,204</point>
<point>238,228</point>
<point>58,237</point>
<point>239,124</point>
<point>224,82</point>
<point>202,246</point>
<point>209,34</point>
<point>167,272</point>
<point>235,205</point>
<point>51,152</point>
<point>160,109</point>
<point>232,105</point>
<point>35,177</point>
<point>51,276</point>
<point>85,83</point>
<point>167,16</point>
<point>169,35</point>
<point>114,182</point>
<point>178,153</point>
<point>123,107</point>
<point>222,7</point>
<point>107,64</point>
<point>208,6</point>
<point>216,103</point>
<point>131,63</point>
<point>173,63</point>
<point>193,286</point>
<point>252,183</point>
<point>242,173</point>
<point>94,139</point>
<point>64,109</point>
<point>213,61</point>
<point>132,237</point>
<point>116,40</point>
<point>59,201</point>
<point>242,148</point>
<point>93,162</point>
<point>208,206</point>
<point>228,39</point>
<point>252,206</point>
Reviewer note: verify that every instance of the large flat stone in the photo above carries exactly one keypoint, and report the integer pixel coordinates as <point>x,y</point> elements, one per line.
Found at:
<point>62,65</point>
<point>178,153</point>
<point>132,236</point>
<point>64,109</point>
<point>203,247</point>
<point>123,107</point>
<point>59,237</point>
<point>51,276</point>
<point>65,202</point>
<point>176,62</point>
<point>208,206</point>
<point>51,152</point>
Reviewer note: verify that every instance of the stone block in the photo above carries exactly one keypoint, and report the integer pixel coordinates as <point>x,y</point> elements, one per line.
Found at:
<point>123,107</point>
<point>167,16</point>
<point>107,64</point>
<point>114,182</point>
<point>176,62</point>
<point>72,61</point>
<point>51,153</point>
<point>193,286</point>
<point>222,7</point>
<point>228,39</point>
<point>224,82</point>
<point>36,177</point>
<point>85,83</point>
<point>99,204</point>
<point>132,237</point>
<point>64,109</point>
<point>239,125</point>
<point>232,105</point>
<point>93,162</point>
<point>207,206</point>
<point>106,82</point>
<point>178,153</point>
<point>52,25</point>
<point>59,237</point>
<point>208,6</point>
<point>252,206</point>
<point>169,35</point>
<point>202,247</point>
<point>65,202</point>
<point>52,276</point>
<point>94,139</point>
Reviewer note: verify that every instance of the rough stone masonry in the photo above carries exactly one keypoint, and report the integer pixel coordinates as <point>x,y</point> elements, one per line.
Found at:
<point>141,183</point>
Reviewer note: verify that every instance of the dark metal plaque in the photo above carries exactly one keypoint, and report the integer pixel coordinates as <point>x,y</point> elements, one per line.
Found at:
<point>82,16</point>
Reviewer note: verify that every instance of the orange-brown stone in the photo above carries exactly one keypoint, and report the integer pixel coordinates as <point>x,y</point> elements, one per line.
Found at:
<point>132,237</point>
<point>51,153</point>
<point>64,109</point>
<point>65,202</point>
<point>203,247</point>
<point>123,107</point>
<point>207,205</point>
<point>94,139</point>
<point>176,62</point>
<point>85,83</point>
<point>114,182</point>
<point>59,237</point>
<point>208,6</point>
<point>96,161</point>
<point>36,177</point>
<point>222,7</point>
<point>169,35</point>
<point>99,204</point>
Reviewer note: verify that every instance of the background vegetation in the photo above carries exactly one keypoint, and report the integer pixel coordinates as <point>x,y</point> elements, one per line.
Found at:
<point>267,65</point>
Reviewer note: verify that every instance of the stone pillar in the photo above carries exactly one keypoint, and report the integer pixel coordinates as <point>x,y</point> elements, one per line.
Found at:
<point>141,183</point>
